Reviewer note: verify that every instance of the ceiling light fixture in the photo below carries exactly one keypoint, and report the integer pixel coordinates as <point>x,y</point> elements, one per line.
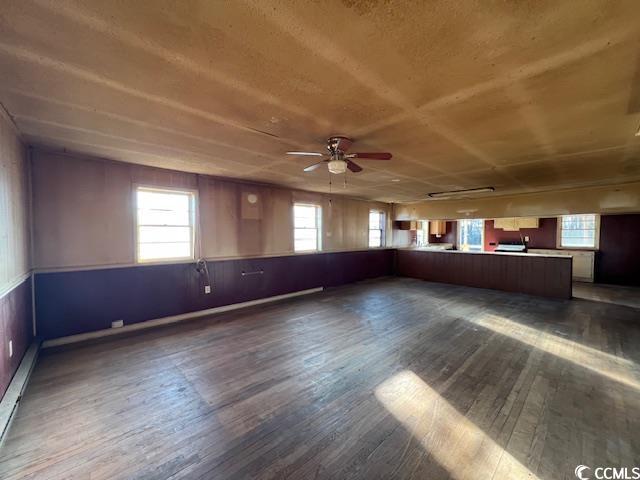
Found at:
<point>454,193</point>
<point>337,166</point>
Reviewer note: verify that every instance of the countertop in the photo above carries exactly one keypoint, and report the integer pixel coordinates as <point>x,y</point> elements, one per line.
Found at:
<point>511,254</point>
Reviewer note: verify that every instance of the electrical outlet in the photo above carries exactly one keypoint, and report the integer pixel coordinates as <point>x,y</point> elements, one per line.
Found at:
<point>10,348</point>
<point>117,324</point>
<point>207,289</point>
<point>526,239</point>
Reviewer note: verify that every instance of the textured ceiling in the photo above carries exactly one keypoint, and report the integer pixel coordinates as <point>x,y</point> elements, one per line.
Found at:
<point>522,96</point>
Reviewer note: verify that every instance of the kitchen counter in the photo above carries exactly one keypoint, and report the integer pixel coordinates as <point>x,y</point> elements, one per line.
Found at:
<point>516,254</point>
<point>546,275</point>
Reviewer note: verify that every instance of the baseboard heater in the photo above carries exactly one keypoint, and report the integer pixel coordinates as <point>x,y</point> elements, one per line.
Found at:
<point>13,395</point>
<point>172,319</point>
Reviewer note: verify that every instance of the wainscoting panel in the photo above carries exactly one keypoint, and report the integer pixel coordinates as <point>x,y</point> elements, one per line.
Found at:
<point>15,326</point>
<point>74,302</point>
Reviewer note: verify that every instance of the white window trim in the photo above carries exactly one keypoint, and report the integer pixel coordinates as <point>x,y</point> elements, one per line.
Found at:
<point>383,230</point>
<point>318,208</point>
<point>193,222</point>
<point>559,234</point>
<point>459,230</point>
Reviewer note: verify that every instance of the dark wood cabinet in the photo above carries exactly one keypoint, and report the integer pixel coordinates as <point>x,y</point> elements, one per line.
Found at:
<point>402,224</point>
<point>536,275</point>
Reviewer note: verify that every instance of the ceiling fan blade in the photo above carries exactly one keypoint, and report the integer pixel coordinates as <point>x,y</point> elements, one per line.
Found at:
<point>343,143</point>
<point>354,167</point>
<point>371,155</point>
<point>307,154</point>
<point>310,168</point>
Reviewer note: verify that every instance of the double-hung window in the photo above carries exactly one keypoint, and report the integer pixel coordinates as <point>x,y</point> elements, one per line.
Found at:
<point>376,228</point>
<point>307,219</point>
<point>164,224</point>
<point>579,231</point>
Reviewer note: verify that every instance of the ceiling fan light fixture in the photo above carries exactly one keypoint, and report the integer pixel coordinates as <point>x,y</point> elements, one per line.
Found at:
<point>337,166</point>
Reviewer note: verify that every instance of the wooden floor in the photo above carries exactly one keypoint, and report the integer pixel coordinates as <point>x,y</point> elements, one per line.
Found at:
<point>599,292</point>
<point>393,378</point>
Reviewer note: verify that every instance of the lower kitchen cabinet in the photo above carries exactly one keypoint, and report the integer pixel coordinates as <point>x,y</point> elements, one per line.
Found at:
<point>583,262</point>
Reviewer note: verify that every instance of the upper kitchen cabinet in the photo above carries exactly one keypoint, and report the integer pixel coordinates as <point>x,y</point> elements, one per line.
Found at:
<point>512,224</point>
<point>527,222</point>
<point>437,227</point>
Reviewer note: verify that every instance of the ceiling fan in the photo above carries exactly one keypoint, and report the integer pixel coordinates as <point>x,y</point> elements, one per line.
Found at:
<point>337,159</point>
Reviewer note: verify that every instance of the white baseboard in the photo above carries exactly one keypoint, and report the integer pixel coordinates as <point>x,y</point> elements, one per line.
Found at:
<point>173,319</point>
<point>13,395</point>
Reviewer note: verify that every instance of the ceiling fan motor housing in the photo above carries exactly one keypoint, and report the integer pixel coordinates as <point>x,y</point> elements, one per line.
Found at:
<point>338,144</point>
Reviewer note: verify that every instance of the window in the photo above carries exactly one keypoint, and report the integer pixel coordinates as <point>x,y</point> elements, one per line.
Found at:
<point>164,224</point>
<point>306,231</point>
<point>376,229</point>
<point>579,231</point>
<point>422,234</point>
<point>471,235</point>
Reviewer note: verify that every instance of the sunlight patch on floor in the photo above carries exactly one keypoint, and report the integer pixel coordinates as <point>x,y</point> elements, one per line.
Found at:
<point>610,366</point>
<point>455,442</point>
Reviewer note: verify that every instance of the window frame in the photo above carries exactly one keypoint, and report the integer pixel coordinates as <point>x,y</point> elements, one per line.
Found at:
<point>596,240</point>
<point>381,229</point>
<point>459,232</point>
<point>318,228</point>
<point>426,225</point>
<point>193,222</point>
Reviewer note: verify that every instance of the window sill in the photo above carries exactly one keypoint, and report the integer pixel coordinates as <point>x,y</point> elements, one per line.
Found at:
<point>166,261</point>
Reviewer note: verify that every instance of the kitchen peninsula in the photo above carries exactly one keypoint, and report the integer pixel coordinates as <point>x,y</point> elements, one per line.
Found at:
<point>534,274</point>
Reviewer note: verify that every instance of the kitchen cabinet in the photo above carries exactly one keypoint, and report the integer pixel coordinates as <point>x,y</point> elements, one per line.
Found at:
<point>403,225</point>
<point>437,227</point>
<point>512,224</point>
<point>583,262</point>
<point>527,222</point>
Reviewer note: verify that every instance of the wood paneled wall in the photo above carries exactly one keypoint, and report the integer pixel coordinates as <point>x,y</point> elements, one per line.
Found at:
<point>14,210</point>
<point>74,302</point>
<point>83,213</point>
<point>15,326</point>
<point>15,284</point>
